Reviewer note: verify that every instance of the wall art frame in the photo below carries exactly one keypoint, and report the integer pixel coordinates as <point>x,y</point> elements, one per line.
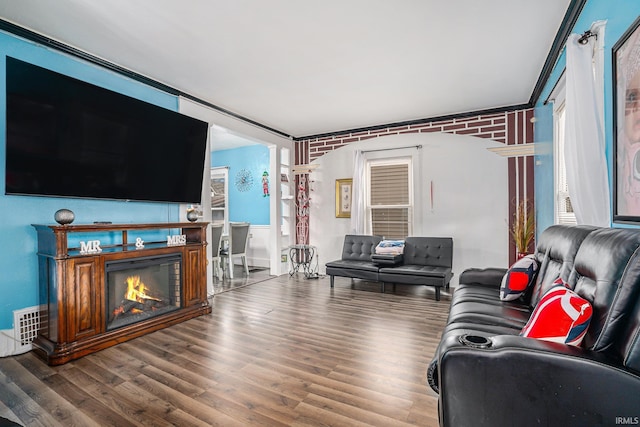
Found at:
<point>344,189</point>
<point>626,125</point>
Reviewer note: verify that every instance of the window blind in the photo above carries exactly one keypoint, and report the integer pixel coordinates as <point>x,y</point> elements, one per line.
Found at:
<point>390,200</point>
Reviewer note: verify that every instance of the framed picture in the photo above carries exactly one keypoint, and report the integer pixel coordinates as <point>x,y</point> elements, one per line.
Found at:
<point>343,197</point>
<point>626,116</point>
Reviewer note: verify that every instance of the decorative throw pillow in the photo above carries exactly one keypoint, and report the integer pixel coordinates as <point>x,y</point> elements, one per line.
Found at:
<point>518,278</point>
<point>561,316</point>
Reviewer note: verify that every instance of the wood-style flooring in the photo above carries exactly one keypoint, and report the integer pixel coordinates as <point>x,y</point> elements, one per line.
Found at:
<point>275,352</point>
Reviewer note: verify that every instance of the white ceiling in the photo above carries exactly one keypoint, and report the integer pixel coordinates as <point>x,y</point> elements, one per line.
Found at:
<point>311,67</point>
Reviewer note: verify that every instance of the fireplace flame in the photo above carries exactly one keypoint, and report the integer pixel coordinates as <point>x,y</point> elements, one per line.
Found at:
<point>137,299</point>
<point>137,290</point>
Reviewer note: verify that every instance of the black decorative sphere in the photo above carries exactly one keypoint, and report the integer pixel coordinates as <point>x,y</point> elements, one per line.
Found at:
<point>64,216</point>
<point>192,216</point>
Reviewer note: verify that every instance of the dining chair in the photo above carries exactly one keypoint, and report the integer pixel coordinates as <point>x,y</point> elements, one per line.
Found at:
<point>237,247</point>
<point>216,245</point>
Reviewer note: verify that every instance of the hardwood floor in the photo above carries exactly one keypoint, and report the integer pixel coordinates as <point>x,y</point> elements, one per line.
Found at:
<point>279,352</point>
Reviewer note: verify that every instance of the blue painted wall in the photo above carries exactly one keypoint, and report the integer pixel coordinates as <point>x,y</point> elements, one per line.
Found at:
<point>18,261</point>
<point>251,205</point>
<point>619,15</point>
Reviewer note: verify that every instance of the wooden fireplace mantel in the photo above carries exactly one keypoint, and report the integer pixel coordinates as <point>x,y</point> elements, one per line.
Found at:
<point>72,282</point>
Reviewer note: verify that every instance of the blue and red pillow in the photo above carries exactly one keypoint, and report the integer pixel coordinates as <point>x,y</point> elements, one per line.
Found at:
<point>518,278</point>
<point>561,316</point>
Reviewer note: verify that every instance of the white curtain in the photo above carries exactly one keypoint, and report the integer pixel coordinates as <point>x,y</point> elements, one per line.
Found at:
<point>585,160</point>
<point>358,193</point>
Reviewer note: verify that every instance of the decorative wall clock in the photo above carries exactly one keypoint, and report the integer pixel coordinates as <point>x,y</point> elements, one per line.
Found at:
<point>244,180</point>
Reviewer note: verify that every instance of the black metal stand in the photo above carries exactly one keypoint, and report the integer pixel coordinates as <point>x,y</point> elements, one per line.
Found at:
<point>305,258</point>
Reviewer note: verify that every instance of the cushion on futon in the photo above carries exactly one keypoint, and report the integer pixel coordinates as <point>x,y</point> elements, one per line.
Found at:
<point>390,247</point>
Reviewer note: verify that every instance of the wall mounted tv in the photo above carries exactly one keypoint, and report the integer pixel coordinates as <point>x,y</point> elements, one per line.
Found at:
<point>68,138</point>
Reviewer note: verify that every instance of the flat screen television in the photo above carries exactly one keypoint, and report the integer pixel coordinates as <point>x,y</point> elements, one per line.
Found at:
<point>69,138</point>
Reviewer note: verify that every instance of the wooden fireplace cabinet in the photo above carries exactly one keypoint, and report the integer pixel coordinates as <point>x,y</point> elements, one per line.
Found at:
<point>73,302</point>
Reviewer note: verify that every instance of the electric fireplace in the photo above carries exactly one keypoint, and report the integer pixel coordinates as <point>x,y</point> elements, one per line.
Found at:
<point>142,288</point>
<point>98,288</point>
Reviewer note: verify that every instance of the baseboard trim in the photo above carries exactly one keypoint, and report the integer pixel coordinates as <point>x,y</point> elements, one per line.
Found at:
<point>8,344</point>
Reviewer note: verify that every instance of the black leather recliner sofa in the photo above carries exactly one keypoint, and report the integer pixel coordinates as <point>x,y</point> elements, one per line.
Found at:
<point>425,261</point>
<point>486,374</point>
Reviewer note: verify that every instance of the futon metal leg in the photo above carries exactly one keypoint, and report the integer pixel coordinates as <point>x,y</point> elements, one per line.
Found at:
<point>331,280</point>
<point>437,293</point>
<point>382,287</point>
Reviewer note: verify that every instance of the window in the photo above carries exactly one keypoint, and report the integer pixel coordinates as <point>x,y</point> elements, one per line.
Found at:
<point>563,211</point>
<point>220,196</point>
<point>389,201</point>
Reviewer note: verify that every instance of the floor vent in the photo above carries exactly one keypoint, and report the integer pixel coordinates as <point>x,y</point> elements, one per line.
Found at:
<point>26,323</point>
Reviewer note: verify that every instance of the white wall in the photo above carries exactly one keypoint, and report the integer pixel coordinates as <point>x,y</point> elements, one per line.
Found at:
<point>470,196</point>
<point>259,247</point>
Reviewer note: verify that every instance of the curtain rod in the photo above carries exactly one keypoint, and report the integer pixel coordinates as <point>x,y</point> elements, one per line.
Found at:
<point>583,39</point>
<point>417,147</point>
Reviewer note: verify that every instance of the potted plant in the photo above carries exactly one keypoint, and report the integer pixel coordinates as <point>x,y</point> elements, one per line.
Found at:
<point>523,228</point>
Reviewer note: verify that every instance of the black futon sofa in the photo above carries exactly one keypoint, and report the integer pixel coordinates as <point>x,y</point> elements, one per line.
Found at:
<point>425,261</point>
<point>488,375</point>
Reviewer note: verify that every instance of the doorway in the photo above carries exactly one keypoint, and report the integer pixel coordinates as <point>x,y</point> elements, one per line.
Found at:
<point>246,186</point>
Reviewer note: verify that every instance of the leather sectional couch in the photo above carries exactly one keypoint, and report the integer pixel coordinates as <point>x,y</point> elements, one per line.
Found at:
<point>487,374</point>
<point>425,261</point>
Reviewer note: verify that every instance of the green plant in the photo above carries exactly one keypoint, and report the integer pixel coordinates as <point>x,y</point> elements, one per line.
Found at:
<point>523,228</point>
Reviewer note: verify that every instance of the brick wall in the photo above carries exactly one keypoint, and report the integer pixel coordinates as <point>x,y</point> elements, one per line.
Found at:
<point>492,126</point>
<point>512,127</point>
